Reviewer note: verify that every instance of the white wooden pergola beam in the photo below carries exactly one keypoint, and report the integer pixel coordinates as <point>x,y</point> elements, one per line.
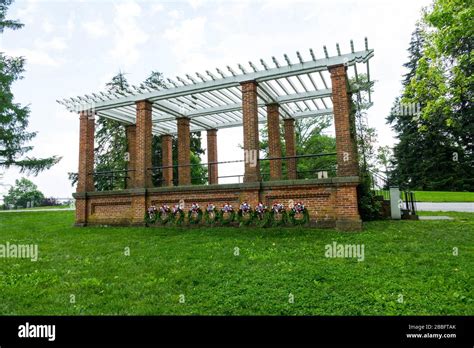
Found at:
<point>231,81</point>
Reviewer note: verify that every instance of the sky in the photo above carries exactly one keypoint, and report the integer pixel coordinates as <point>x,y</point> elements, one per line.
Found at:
<point>75,47</point>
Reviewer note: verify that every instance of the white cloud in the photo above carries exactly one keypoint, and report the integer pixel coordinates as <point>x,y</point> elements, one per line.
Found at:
<point>174,14</point>
<point>95,28</point>
<point>70,25</point>
<point>55,43</point>
<point>156,8</point>
<point>47,26</point>
<point>188,36</point>
<point>128,35</point>
<point>195,3</point>
<point>279,5</point>
<point>27,13</point>
<point>233,9</point>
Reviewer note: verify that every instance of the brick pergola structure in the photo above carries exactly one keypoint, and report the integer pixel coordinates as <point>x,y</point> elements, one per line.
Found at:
<point>276,95</point>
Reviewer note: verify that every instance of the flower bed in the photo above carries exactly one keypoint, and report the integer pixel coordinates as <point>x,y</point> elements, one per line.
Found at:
<point>261,216</point>
<point>195,214</point>
<point>227,215</point>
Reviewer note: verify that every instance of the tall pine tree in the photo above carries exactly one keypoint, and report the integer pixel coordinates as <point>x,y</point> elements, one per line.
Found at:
<point>13,116</point>
<point>111,142</point>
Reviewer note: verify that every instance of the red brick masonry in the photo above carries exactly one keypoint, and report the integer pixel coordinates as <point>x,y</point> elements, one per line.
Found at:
<point>274,144</point>
<point>250,128</point>
<point>167,155</point>
<point>331,202</point>
<point>212,169</point>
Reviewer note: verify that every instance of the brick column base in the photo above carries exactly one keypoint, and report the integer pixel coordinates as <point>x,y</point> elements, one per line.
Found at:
<point>81,212</point>
<point>347,209</point>
<point>139,207</point>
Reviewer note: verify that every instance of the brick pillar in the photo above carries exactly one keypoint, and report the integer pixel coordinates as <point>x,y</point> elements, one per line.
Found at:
<point>212,169</point>
<point>85,180</point>
<point>143,145</point>
<point>250,125</point>
<point>167,157</point>
<point>347,163</point>
<point>290,144</point>
<point>274,144</point>
<point>184,151</point>
<point>130,132</point>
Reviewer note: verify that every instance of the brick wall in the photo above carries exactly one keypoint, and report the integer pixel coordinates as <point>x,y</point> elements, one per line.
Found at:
<point>330,202</point>
<point>110,209</point>
<point>274,144</point>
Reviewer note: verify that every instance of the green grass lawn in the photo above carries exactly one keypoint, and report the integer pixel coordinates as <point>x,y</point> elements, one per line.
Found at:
<point>409,258</point>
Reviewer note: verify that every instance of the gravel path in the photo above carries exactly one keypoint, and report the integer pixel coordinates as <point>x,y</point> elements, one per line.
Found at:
<point>445,206</point>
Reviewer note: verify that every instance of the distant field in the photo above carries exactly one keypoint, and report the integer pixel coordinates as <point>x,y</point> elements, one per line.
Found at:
<point>439,196</point>
<point>443,196</point>
<point>47,208</point>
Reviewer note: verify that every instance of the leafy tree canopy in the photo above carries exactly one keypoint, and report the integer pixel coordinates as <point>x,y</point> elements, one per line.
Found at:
<point>23,193</point>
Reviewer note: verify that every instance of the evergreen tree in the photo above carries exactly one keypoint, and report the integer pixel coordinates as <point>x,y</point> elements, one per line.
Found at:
<point>13,116</point>
<point>415,50</point>
<point>111,142</point>
<point>407,151</point>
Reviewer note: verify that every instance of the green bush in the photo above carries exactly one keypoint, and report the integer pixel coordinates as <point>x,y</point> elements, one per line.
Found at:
<point>369,206</point>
